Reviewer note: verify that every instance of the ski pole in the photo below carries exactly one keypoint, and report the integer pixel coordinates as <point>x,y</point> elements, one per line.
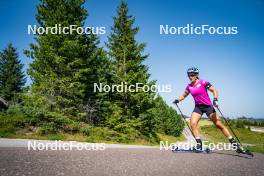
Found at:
<point>229,126</point>
<point>185,120</point>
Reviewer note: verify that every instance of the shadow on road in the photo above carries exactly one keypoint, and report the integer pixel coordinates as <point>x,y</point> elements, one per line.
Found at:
<point>232,154</point>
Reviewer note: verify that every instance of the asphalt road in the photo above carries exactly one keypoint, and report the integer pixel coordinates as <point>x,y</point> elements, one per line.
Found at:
<point>126,161</point>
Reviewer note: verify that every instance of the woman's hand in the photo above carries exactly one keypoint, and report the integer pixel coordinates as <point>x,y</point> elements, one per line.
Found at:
<point>176,101</point>
<point>215,102</point>
<point>215,94</point>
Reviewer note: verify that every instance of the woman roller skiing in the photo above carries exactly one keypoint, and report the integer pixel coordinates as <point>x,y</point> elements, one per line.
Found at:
<point>198,89</point>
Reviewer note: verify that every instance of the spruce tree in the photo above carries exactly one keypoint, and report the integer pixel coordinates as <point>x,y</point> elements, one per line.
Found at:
<point>127,56</point>
<point>65,66</point>
<point>12,77</point>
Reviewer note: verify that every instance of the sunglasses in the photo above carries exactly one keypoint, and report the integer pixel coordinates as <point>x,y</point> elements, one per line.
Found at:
<point>191,75</point>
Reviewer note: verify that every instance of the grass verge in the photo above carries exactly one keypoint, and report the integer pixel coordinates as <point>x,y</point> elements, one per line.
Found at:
<point>212,134</point>
<point>94,135</point>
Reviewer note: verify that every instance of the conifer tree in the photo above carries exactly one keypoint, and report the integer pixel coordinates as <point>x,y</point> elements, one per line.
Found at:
<point>65,66</point>
<point>12,77</point>
<point>127,56</point>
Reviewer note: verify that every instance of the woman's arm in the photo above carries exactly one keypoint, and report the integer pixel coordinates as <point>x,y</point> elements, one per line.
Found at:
<point>214,91</point>
<point>183,96</point>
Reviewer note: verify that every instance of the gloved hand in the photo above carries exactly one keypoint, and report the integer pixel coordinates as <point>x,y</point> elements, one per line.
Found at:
<point>215,102</point>
<point>176,101</point>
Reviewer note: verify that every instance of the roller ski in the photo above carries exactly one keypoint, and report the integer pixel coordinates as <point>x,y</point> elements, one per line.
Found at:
<point>196,149</point>
<point>240,149</point>
<point>191,150</point>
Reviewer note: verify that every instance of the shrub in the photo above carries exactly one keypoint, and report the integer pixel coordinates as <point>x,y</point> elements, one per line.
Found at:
<point>99,133</point>
<point>167,119</point>
<point>13,117</point>
<point>48,128</point>
<point>86,130</point>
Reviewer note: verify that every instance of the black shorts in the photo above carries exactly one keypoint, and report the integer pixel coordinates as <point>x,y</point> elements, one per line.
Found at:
<point>200,109</point>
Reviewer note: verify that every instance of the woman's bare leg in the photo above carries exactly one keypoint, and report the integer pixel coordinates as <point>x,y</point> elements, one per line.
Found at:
<point>194,124</point>
<point>218,123</point>
<point>215,118</point>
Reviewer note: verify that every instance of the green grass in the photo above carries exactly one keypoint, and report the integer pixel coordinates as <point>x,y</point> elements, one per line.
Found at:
<point>89,134</point>
<point>7,131</point>
<point>205,122</point>
<point>212,134</point>
<point>93,139</point>
<point>171,139</point>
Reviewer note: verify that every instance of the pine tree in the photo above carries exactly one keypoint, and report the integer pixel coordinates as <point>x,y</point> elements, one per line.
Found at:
<point>65,66</point>
<point>127,56</point>
<point>12,77</point>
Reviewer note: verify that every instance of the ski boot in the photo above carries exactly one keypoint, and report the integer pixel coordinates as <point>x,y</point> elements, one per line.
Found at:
<point>239,149</point>
<point>199,147</point>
